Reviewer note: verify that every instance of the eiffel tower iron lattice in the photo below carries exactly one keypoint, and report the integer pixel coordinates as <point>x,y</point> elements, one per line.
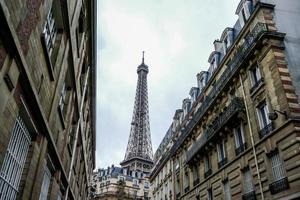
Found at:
<point>139,156</point>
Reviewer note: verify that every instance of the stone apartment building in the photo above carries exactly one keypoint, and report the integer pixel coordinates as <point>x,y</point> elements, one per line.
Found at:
<point>47,98</point>
<point>118,183</point>
<point>237,136</point>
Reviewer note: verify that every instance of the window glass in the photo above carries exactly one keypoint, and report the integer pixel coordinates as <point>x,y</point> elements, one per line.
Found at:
<point>45,184</point>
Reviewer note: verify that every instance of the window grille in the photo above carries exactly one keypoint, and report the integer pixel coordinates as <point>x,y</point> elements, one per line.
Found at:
<point>227,190</point>
<point>62,99</point>
<point>248,184</point>
<point>45,184</point>
<point>14,160</point>
<point>277,167</point>
<point>50,32</point>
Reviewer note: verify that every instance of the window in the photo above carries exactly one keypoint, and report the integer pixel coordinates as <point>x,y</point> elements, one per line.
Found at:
<point>135,182</point>
<point>45,185</point>
<point>255,78</point>
<point>196,174</point>
<point>209,194</point>
<point>239,139</point>
<point>221,151</point>
<point>244,16</point>
<point>186,181</point>
<point>263,115</point>
<point>239,136</point>
<point>227,193</point>
<point>280,181</point>
<point>15,156</point>
<point>277,167</point>
<point>62,98</point>
<point>50,32</point>
<point>121,178</point>
<point>59,196</point>
<point>248,184</point>
<point>206,163</point>
<point>146,184</point>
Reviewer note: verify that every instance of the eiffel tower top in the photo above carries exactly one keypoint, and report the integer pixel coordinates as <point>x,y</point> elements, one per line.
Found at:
<point>139,156</point>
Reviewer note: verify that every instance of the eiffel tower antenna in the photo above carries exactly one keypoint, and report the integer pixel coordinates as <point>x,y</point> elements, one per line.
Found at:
<point>139,156</point>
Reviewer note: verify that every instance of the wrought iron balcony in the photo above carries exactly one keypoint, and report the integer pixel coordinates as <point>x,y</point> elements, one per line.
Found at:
<point>232,67</point>
<point>186,189</point>
<point>222,162</point>
<point>249,196</point>
<point>258,83</point>
<point>236,105</point>
<point>279,185</point>
<point>196,182</point>
<point>240,149</point>
<point>266,130</point>
<point>207,173</point>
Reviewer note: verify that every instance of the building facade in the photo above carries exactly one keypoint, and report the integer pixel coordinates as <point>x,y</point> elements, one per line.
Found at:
<point>117,183</point>
<point>47,98</point>
<point>237,136</point>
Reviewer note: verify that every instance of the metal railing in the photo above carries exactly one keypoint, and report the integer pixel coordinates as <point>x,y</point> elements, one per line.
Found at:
<point>232,67</point>
<point>279,185</point>
<point>240,149</point>
<point>249,196</point>
<point>222,162</point>
<point>236,105</point>
<point>207,173</point>
<point>266,130</point>
<point>258,83</point>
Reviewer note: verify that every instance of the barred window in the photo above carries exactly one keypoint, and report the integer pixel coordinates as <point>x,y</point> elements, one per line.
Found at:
<point>248,184</point>
<point>277,167</point>
<point>14,160</point>
<point>50,32</point>
<point>45,184</point>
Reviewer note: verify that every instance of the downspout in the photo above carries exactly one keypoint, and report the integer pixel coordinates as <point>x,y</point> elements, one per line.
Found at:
<point>252,140</point>
<point>77,132</point>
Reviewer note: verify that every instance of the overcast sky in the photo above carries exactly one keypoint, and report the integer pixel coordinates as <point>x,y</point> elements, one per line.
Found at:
<point>177,36</point>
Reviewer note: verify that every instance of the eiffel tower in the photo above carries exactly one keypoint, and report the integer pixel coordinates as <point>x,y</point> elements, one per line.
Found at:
<point>139,156</point>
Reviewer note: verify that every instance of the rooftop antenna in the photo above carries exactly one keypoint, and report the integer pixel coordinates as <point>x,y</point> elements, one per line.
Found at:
<point>143,56</point>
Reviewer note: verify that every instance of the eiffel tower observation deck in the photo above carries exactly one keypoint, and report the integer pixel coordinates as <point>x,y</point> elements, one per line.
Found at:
<point>139,156</point>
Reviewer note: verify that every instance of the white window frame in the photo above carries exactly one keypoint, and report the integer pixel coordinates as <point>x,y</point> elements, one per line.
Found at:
<point>50,32</point>
<point>255,75</point>
<point>45,184</point>
<point>206,163</point>
<point>260,113</point>
<point>277,167</point>
<point>221,151</point>
<point>239,143</point>
<point>62,98</point>
<point>14,160</point>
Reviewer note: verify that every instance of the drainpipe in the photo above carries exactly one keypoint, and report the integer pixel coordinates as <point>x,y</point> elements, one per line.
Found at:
<point>252,140</point>
<point>77,132</point>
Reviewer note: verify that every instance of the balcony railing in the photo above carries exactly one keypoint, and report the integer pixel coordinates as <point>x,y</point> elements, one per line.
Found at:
<point>178,195</point>
<point>240,149</point>
<point>186,189</point>
<point>196,182</point>
<point>266,130</point>
<point>207,173</point>
<point>234,107</point>
<point>232,68</point>
<point>279,185</point>
<point>249,196</point>
<point>258,83</point>
<point>222,162</point>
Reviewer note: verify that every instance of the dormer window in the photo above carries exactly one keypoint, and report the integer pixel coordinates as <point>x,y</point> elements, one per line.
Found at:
<point>244,11</point>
